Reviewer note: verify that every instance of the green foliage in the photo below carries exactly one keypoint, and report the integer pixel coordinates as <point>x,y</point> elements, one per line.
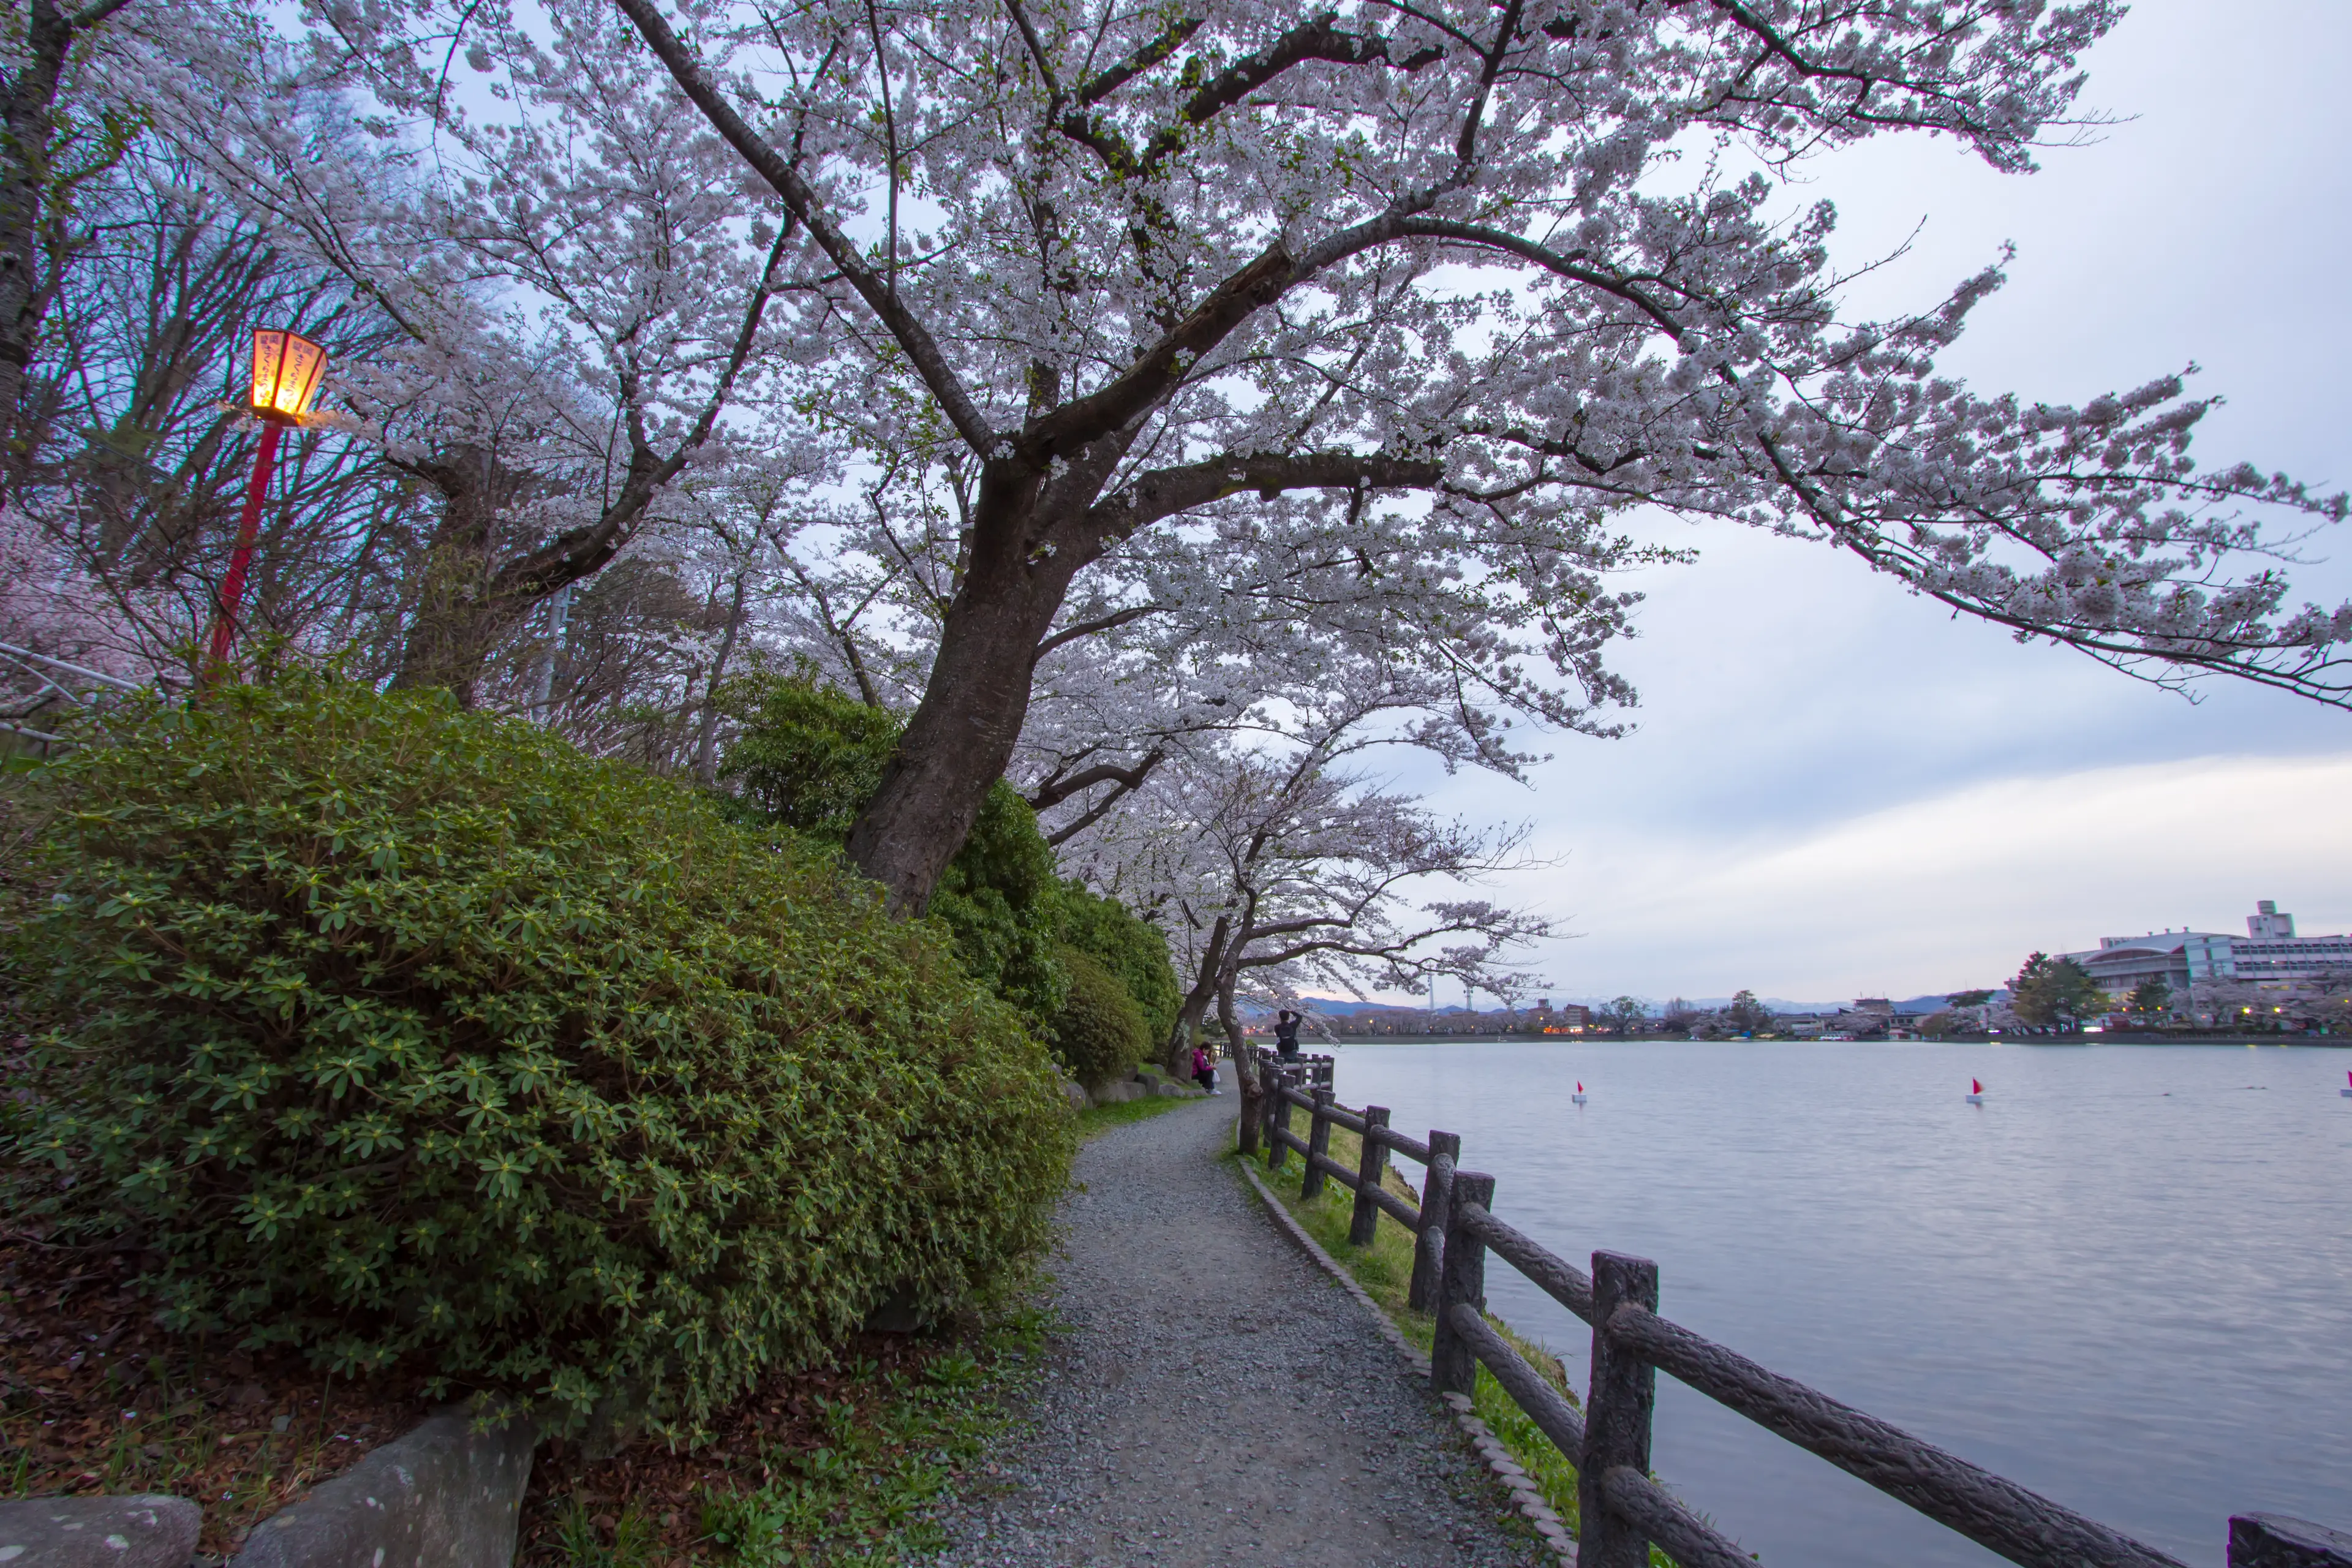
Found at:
<point>1098,1119</point>
<point>2151,997</point>
<point>868,1495</point>
<point>1100,1033</point>
<point>393,1031</point>
<point>2055,993</point>
<point>1131,947</point>
<point>809,757</point>
<point>999,904</point>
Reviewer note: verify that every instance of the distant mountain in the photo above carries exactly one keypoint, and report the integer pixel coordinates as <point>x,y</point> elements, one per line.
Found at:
<point>1345,1007</point>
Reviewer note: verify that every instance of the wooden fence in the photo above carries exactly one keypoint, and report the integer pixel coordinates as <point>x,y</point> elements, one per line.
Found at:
<point>1622,1508</point>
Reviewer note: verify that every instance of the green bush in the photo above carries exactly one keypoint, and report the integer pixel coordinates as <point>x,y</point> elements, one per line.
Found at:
<point>806,757</point>
<point>809,757</point>
<point>1131,948</point>
<point>1000,903</point>
<point>395,1032</point>
<point>1100,1033</point>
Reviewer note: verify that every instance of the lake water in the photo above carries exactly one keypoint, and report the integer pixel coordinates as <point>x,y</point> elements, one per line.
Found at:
<point>2123,1281</point>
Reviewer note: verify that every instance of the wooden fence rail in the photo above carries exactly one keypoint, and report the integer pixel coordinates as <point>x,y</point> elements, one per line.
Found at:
<point>1623,1510</point>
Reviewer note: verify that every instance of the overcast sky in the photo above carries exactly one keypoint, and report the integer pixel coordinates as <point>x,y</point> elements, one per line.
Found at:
<point>1835,789</point>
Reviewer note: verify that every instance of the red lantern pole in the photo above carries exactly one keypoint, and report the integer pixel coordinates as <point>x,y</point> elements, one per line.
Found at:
<point>287,368</point>
<point>248,527</point>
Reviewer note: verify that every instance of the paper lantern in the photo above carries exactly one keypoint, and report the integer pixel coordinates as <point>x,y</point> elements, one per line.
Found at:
<point>286,369</point>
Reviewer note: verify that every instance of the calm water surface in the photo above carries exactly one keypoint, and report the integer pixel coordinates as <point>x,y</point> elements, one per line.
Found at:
<point>2125,1281</point>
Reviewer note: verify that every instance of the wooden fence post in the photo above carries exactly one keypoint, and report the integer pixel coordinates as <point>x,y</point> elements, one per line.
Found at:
<point>1270,1076</point>
<point>1363,1223</point>
<point>1425,1248</point>
<point>1252,1117</point>
<point>1616,1416</point>
<point>1276,1151</point>
<point>1318,1142</point>
<point>1452,1368</point>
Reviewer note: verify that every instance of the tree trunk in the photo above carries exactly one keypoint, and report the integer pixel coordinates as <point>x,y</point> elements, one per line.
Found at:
<point>28,130</point>
<point>706,747</point>
<point>451,632</point>
<point>460,617</point>
<point>963,732</point>
<point>1196,1001</point>
<point>1247,1079</point>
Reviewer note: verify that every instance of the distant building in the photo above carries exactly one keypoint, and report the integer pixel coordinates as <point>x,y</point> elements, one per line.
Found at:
<point>1879,1005</point>
<point>2266,921</point>
<point>2120,964</point>
<point>2269,951</point>
<point>1567,1018</point>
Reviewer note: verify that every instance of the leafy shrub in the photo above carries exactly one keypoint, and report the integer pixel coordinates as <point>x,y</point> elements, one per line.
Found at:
<point>1100,1033</point>
<point>1131,947</point>
<point>397,1032</point>
<point>1000,903</point>
<point>809,757</point>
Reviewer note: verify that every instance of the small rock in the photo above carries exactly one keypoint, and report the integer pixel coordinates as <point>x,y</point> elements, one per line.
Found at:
<point>142,1531</point>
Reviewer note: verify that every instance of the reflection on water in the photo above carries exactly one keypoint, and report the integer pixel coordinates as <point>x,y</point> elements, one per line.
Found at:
<point>2125,1281</point>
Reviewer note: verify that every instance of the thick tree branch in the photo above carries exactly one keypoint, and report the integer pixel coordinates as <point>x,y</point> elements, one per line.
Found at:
<point>1094,628</point>
<point>912,335</point>
<point>581,552</point>
<point>1052,792</point>
<point>1164,493</point>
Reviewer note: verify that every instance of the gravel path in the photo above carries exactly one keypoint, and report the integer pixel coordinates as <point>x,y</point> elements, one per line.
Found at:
<point>1218,1398</point>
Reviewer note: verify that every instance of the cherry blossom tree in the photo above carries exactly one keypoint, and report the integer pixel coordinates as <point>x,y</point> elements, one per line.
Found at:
<point>581,320</point>
<point>1418,297</point>
<point>1275,862</point>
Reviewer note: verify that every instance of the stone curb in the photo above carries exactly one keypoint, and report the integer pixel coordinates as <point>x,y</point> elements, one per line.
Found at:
<point>1516,1481</point>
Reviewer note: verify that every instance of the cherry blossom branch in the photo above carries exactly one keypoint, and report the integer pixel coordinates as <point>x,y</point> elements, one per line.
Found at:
<point>922,350</point>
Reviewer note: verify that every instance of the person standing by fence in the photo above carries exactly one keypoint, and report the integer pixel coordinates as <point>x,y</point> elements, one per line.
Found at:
<point>1286,1032</point>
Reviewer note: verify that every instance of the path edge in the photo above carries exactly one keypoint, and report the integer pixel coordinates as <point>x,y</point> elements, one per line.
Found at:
<point>1524,1496</point>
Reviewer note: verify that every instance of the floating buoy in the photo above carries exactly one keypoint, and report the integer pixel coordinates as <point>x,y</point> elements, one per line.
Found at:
<point>1976,1092</point>
<point>1579,1093</point>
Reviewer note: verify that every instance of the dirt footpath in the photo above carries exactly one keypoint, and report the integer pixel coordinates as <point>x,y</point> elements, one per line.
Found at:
<point>1218,1398</point>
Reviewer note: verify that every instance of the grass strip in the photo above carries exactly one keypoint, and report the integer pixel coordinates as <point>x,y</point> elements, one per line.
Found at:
<point>852,1475</point>
<point>1099,1120</point>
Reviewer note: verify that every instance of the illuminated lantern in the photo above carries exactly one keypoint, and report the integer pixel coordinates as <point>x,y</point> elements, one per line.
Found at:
<point>286,370</point>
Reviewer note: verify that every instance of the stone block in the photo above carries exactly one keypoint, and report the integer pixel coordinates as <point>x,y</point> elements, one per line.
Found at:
<point>142,1531</point>
<point>445,1496</point>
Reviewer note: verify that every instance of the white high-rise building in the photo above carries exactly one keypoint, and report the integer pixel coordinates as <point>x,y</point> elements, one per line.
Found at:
<point>2269,951</point>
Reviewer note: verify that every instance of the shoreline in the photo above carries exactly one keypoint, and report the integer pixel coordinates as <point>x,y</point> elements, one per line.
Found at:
<point>2317,1042</point>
